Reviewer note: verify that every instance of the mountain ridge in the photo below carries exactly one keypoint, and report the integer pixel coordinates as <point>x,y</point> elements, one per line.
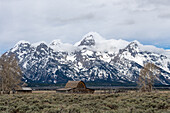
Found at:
<point>91,59</point>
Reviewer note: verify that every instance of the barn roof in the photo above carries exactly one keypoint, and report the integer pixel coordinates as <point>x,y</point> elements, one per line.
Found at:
<point>74,84</point>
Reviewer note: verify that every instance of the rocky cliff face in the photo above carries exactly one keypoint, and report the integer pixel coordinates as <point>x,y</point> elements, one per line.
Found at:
<point>91,59</point>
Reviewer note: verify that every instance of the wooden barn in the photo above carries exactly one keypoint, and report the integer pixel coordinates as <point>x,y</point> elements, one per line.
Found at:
<point>75,87</point>
<point>24,90</point>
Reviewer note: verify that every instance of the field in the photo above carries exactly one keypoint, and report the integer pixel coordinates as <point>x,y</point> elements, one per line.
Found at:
<point>130,102</point>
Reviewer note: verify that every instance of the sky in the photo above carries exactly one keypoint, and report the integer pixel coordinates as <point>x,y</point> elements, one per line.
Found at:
<point>147,21</point>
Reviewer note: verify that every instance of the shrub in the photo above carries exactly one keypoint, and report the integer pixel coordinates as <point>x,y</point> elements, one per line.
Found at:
<point>3,108</point>
<point>86,103</point>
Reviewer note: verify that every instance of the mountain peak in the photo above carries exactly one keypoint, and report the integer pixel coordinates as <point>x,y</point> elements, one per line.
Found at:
<point>132,48</point>
<point>133,45</point>
<point>39,43</point>
<point>90,39</point>
<point>21,44</point>
<point>96,36</point>
<point>56,42</point>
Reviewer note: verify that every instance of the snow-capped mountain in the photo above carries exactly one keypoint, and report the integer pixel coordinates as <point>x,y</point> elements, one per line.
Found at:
<point>91,59</point>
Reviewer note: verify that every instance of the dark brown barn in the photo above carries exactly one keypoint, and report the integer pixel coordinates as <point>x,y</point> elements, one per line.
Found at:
<point>24,90</point>
<point>75,87</point>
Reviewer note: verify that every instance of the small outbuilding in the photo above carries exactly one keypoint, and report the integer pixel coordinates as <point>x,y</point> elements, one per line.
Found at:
<point>24,90</point>
<point>75,87</point>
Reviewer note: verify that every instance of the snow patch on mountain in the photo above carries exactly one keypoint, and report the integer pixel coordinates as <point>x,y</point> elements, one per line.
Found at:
<point>22,43</point>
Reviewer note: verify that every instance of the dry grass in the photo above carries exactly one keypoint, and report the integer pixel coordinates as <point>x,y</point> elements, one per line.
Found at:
<point>44,91</point>
<point>130,102</point>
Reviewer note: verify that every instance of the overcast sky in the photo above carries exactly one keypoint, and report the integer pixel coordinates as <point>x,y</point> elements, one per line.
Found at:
<point>147,21</point>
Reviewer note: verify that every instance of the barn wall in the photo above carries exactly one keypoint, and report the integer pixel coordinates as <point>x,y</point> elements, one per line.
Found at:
<point>81,90</point>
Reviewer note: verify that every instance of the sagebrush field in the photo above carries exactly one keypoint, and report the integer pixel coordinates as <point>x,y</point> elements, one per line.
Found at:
<point>131,102</point>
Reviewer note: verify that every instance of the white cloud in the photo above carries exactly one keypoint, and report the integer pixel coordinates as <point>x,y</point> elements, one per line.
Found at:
<point>45,20</point>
